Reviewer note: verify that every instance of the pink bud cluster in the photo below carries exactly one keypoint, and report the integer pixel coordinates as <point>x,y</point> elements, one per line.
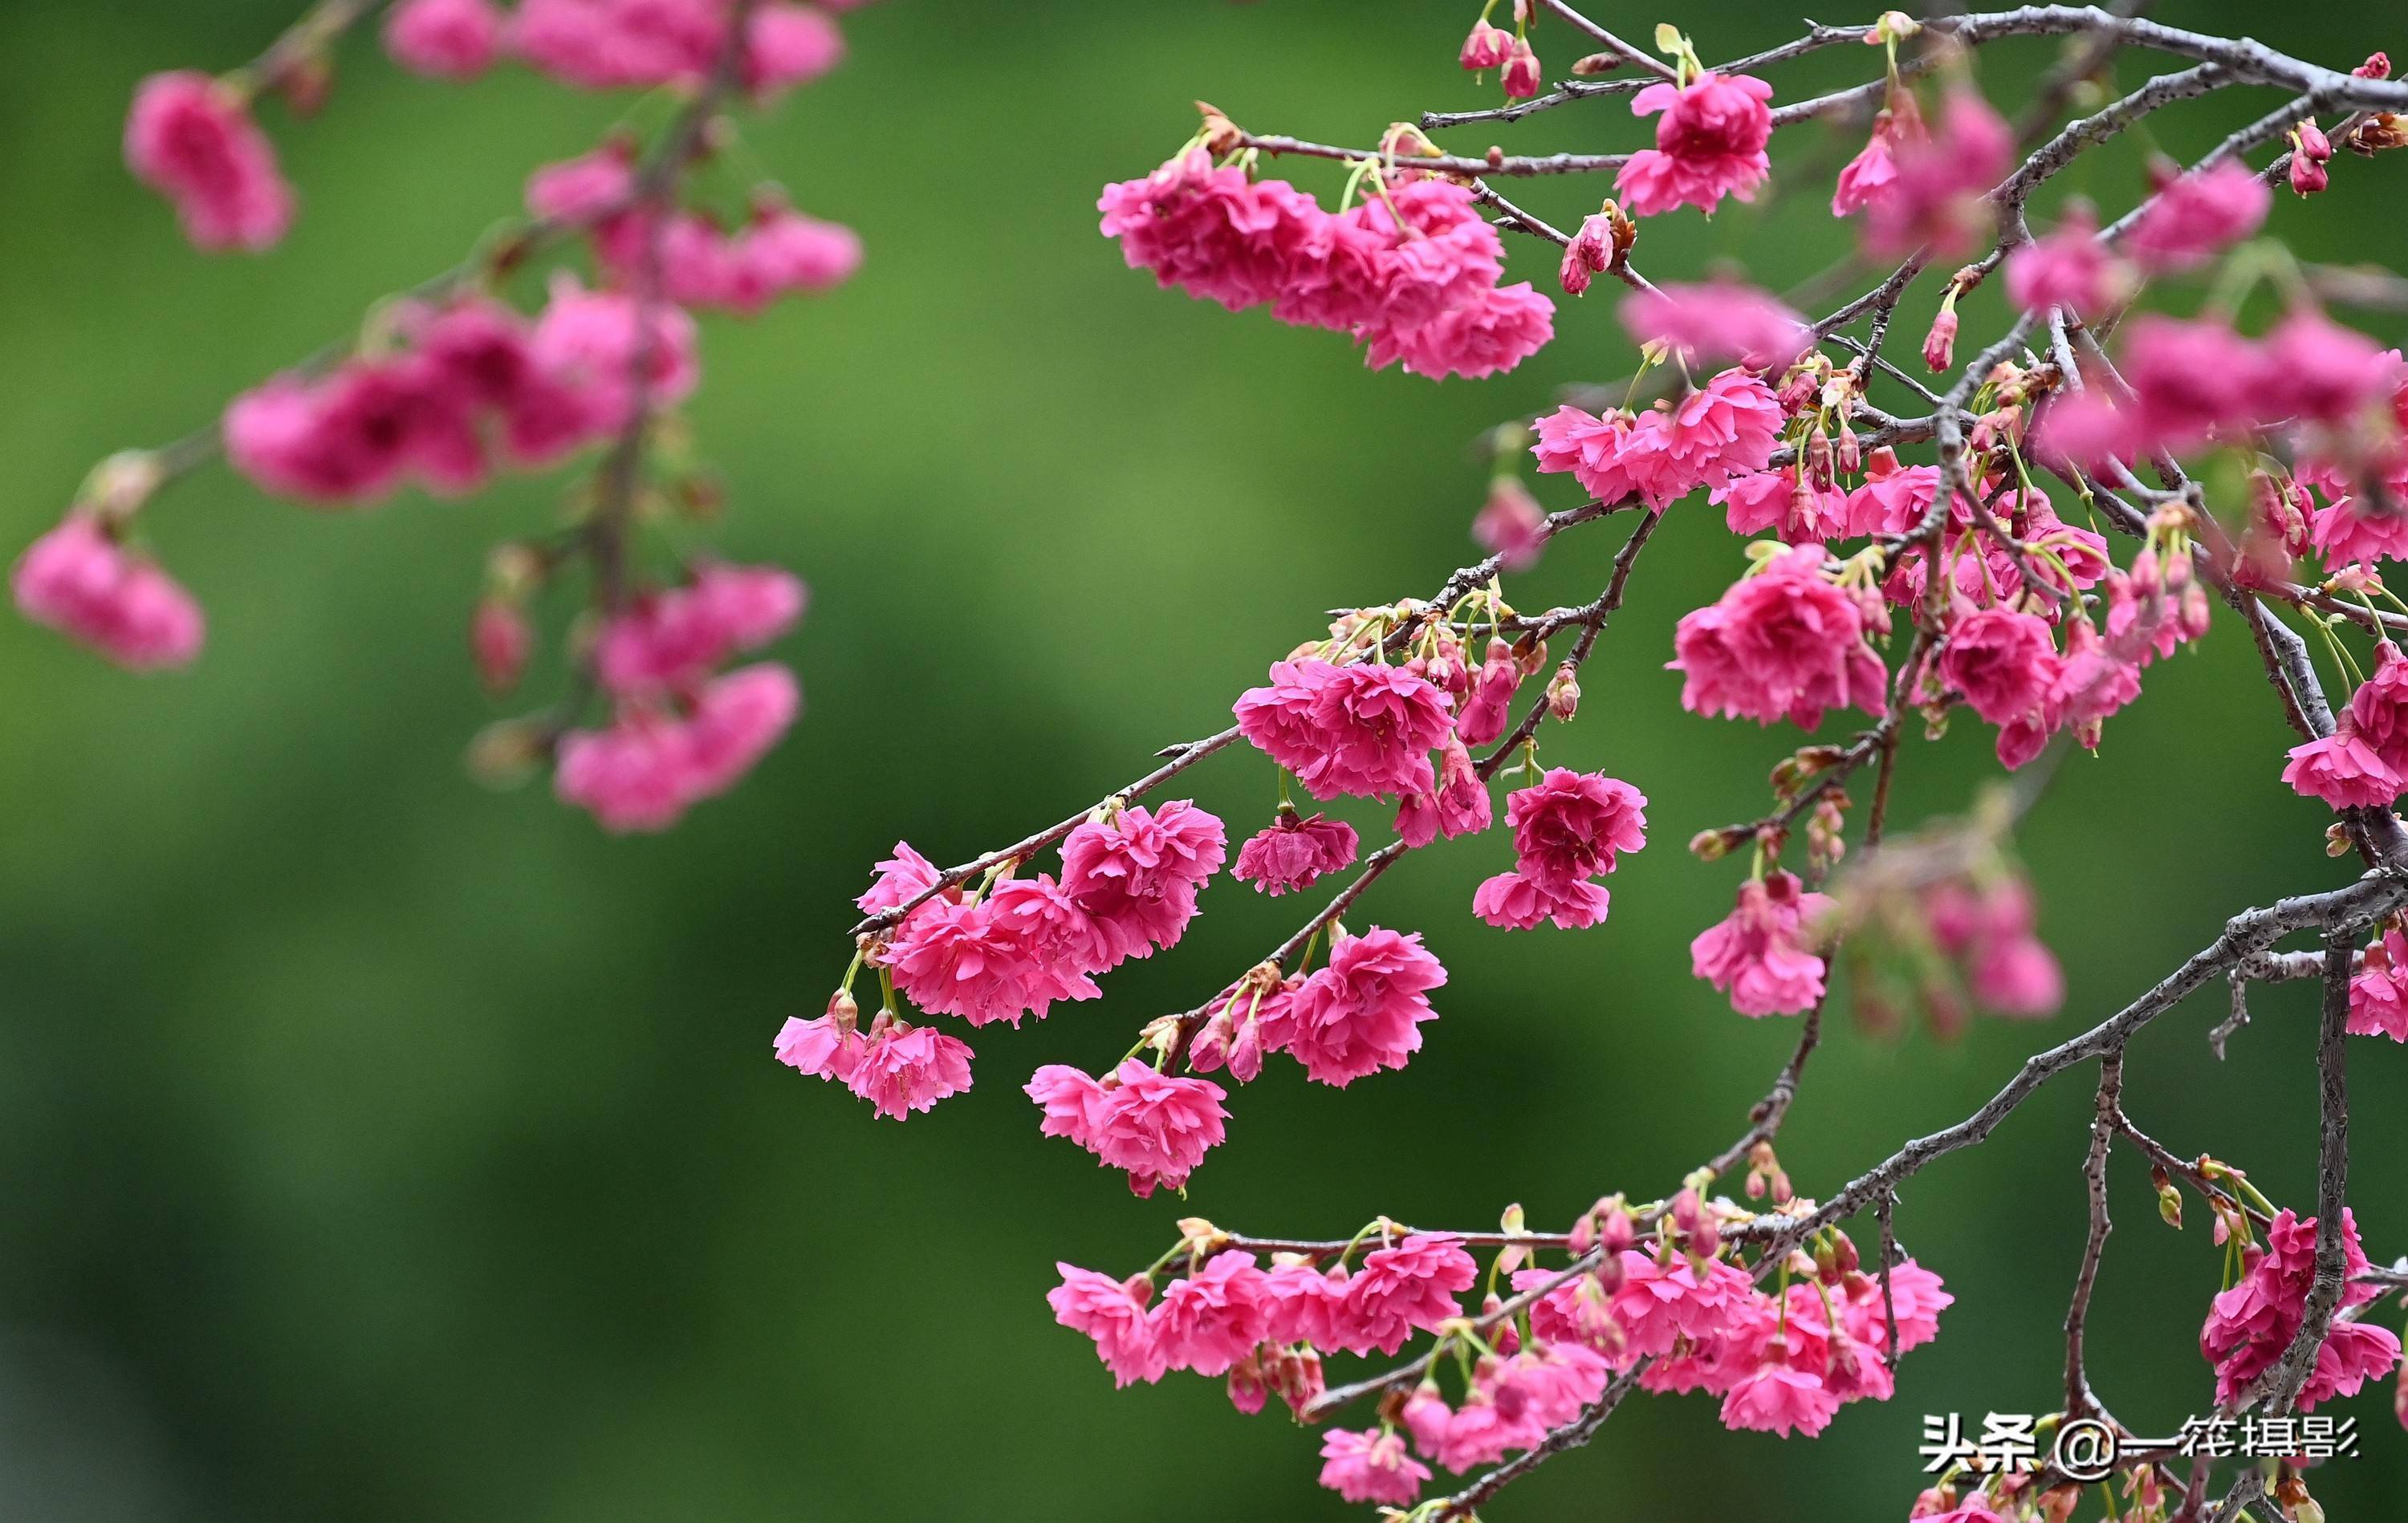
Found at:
<point>1410,272</point>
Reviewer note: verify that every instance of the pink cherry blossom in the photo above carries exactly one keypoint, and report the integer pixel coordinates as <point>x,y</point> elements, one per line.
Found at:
<point>1156,1127</point>
<point>2378,991</point>
<point>1894,498</point>
<point>2315,369</point>
<point>788,45</point>
<point>2250,1325</point>
<point>1485,333</point>
<point>1410,1285</point>
<point>1372,1467</point>
<point>191,138</point>
<point>1485,48</point>
<point>2002,662</point>
<point>2195,216</point>
<point>1787,501</point>
<point>667,639</point>
<point>1710,143</point>
<point>1758,955</point>
<point>1293,851</point>
<point>1363,1011</point>
<point>1782,644</point>
<point>78,580</point>
<point>1516,902</point>
<point>1489,705</point>
<point>1213,1317</point>
<point>2343,769</point>
<point>1457,804</point>
<point>1569,825</point>
<point>1510,524</point>
<point>1137,874</point>
<point>1359,731</point>
<point>1874,169</point>
<point>902,1069</point>
<point>1938,192</point>
<point>1658,1304</point>
<point>901,877</point>
<point>451,39</point>
<point>583,188</point>
<point>593,338</point>
<point>2068,268</point>
<point>2379,708</point>
<point>1113,1312</point>
<point>1717,320</point>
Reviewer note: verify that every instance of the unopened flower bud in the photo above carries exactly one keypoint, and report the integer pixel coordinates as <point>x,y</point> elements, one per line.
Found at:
<point>1940,344</point>
<point>1710,845</point>
<point>1487,48</point>
<point>843,1008</point>
<point>2169,1199</point>
<point>1851,455</point>
<point>2377,66</point>
<point>2308,175</point>
<point>503,754</point>
<point>1520,72</point>
<point>1843,1253</point>
<point>1563,693</point>
<point>1594,64</point>
<point>2195,610</point>
<point>499,638</point>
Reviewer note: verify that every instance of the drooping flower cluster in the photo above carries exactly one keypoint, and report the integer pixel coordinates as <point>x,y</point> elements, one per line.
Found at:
<point>2378,991</point>
<point>1660,455</point>
<point>898,1067</point>
<point>1760,954</point>
<point>681,733</point>
<point>1410,272</point>
<point>1137,1118</point>
<point>1567,828</point>
<point>1293,851</point>
<point>2250,1326</point>
<point>477,382</point>
<point>2363,764</point>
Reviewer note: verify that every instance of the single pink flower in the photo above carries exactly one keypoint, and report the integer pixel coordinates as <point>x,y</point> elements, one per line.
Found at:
<point>1782,643</point>
<point>1212,232</point>
<point>584,188</point>
<point>904,1069</point>
<point>1937,195</point>
<point>450,40</point>
<point>1156,1127</point>
<point>1658,1304</point>
<point>788,45</point>
<point>1485,48</point>
<point>1789,502</point>
<point>593,339</point>
<point>2379,708</point>
<point>1372,1467</point>
<point>1710,143</point>
<point>1292,852</point>
<point>1486,334</point>
<point>739,716</point>
<point>191,139</point>
<point>1359,731</point>
<point>1213,1317</point>
<point>1874,169</point>
<point>2343,769</point>
<point>1720,319</point>
<point>825,1046</point>
<point>1516,902</point>
<point>1489,705</point>
<point>2315,369</point>
<point>1407,1287</point>
<point>1137,874</point>
<point>79,581</point>
<point>670,638</point>
<point>1894,498</point>
<point>2003,661</point>
<point>1569,825</point>
<point>1510,524</point>
<point>1363,1011</point>
<point>901,877</point>
<point>2195,216</point>
<point>1113,1312</point>
<point>2070,268</point>
<point>1521,77</point>
<point>1758,955</point>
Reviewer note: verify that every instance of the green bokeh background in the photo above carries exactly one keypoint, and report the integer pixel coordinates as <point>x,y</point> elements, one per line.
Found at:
<point>376,1146</point>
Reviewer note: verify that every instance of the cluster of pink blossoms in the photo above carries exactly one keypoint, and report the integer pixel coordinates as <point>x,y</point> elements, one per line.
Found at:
<point>1410,272</point>
<point>477,381</point>
<point>2251,1325</point>
<point>778,253</point>
<point>1567,828</point>
<point>619,44</point>
<point>2378,991</point>
<point>1722,429</point>
<point>1128,886</point>
<point>1781,1364</point>
<point>683,732</point>
<point>192,138</point>
<point>2364,763</point>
